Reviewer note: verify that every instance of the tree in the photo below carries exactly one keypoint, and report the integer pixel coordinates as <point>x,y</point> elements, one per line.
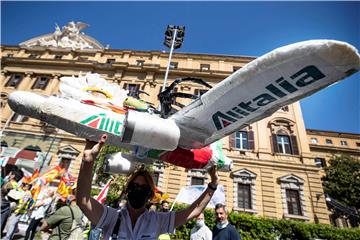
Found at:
<point>342,180</point>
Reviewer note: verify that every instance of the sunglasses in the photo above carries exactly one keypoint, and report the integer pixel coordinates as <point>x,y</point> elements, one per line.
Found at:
<point>144,187</point>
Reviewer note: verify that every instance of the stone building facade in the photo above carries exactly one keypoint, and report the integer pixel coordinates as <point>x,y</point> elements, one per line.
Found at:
<point>276,171</point>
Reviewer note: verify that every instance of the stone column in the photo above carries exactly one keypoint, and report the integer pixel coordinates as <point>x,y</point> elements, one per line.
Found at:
<point>54,83</point>
<point>3,78</point>
<point>27,82</point>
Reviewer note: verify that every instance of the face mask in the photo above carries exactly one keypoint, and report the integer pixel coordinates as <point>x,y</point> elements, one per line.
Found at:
<point>165,210</point>
<point>138,195</point>
<point>200,223</point>
<point>221,225</point>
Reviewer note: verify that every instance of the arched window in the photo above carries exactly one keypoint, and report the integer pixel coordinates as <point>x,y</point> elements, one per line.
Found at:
<point>283,138</point>
<point>33,148</point>
<point>4,144</point>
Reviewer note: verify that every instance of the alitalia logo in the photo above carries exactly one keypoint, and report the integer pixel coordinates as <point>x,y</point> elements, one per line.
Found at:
<point>102,122</point>
<point>272,92</point>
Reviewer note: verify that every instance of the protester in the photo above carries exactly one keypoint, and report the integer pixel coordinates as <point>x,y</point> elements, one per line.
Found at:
<point>41,205</point>
<point>165,207</point>
<point>5,209</point>
<point>61,220</point>
<point>223,230</point>
<point>11,181</point>
<point>200,231</point>
<point>21,209</point>
<point>134,221</point>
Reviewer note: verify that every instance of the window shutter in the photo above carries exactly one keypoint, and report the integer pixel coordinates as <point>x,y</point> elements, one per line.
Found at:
<point>294,145</point>
<point>251,142</point>
<point>231,141</point>
<point>274,143</point>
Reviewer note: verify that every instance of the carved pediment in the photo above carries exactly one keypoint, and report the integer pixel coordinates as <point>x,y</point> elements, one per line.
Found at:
<point>291,178</point>
<point>69,36</point>
<point>243,173</point>
<point>68,152</point>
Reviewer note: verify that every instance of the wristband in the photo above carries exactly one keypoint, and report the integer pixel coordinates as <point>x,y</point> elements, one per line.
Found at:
<point>212,186</point>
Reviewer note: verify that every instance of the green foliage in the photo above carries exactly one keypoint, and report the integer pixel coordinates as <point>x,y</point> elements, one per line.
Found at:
<point>101,177</point>
<point>260,228</point>
<point>342,180</point>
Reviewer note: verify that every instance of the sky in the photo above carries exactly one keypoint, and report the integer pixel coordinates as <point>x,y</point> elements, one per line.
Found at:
<point>225,28</point>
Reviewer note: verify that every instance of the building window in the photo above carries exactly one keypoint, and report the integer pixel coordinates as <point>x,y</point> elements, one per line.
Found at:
<point>33,55</point>
<point>358,144</point>
<point>343,143</point>
<point>4,144</point>
<point>19,118</point>
<point>328,141</point>
<point>14,80</point>
<point>244,190</point>
<point>110,61</point>
<point>283,144</point>
<point>196,177</point>
<point>58,57</point>
<point>174,65</point>
<point>33,148</point>
<point>41,82</point>
<point>282,138</point>
<point>3,100</point>
<point>204,67</point>
<point>244,196</point>
<point>293,199</point>
<point>155,177</point>
<point>197,181</point>
<point>199,92</point>
<point>293,202</point>
<point>320,162</point>
<point>235,68</point>
<point>241,140</point>
<point>10,55</point>
<point>314,140</point>
<point>158,173</point>
<point>140,63</point>
<point>133,89</point>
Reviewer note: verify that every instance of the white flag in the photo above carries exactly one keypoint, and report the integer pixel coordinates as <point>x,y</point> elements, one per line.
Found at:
<point>189,194</point>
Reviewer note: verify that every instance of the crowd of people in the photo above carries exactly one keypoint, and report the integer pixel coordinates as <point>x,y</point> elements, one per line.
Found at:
<point>134,218</point>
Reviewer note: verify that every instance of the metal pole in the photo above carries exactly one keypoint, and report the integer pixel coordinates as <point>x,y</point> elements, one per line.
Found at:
<point>47,153</point>
<point>169,61</point>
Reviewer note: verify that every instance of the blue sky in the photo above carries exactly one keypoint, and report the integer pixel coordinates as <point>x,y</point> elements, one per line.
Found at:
<point>229,28</point>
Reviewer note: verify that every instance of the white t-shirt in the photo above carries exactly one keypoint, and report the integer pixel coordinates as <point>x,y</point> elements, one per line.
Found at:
<point>149,225</point>
<point>203,233</point>
<point>40,211</point>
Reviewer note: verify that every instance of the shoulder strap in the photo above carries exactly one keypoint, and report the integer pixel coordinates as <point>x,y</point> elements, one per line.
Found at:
<point>72,214</point>
<point>115,232</point>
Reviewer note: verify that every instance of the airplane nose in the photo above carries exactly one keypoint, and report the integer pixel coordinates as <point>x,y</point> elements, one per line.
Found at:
<point>26,103</point>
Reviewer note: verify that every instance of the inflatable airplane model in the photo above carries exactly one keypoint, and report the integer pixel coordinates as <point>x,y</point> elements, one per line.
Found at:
<point>90,106</point>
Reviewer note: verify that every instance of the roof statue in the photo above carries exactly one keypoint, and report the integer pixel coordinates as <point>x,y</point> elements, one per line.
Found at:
<point>69,36</point>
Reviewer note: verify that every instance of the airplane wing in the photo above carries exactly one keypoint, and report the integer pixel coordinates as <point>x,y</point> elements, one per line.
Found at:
<point>260,88</point>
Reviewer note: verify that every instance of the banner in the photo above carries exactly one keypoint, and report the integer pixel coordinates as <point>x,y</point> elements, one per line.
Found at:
<point>66,185</point>
<point>53,173</point>
<point>189,194</point>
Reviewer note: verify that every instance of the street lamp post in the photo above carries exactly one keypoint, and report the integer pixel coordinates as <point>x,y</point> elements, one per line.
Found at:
<point>174,37</point>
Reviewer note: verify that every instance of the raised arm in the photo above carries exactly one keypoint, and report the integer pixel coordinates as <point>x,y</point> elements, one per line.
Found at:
<point>199,205</point>
<point>88,205</point>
